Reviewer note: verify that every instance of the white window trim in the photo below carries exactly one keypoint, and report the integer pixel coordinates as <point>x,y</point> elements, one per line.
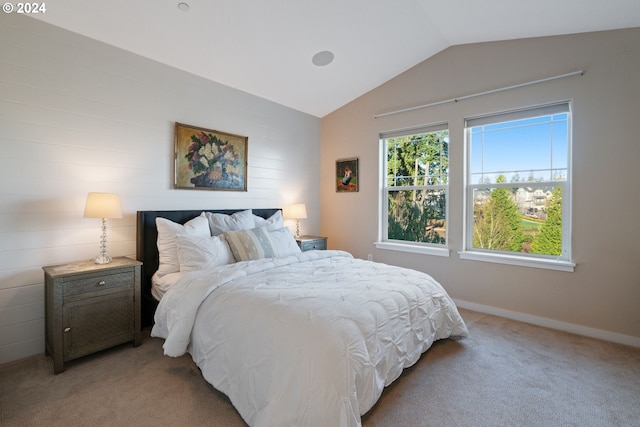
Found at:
<point>396,245</point>
<point>500,258</point>
<point>416,248</point>
<point>551,263</point>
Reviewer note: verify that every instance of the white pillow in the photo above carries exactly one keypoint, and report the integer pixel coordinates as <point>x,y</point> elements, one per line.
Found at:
<point>250,244</point>
<point>167,231</point>
<point>274,222</point>
<point>219,223</point>
<point>284,242</point>
<point>199,252</point>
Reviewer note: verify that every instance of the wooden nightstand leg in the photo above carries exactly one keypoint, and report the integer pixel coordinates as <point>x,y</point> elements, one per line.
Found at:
<point>58,365</point>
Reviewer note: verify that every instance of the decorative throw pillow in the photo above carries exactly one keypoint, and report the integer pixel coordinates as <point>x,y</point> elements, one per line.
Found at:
<point>219,223</point>
<point>199,252</point>
<point>284,242</point>
<point>167,249</point>
<point>274,222</point>
<point>250,244</point>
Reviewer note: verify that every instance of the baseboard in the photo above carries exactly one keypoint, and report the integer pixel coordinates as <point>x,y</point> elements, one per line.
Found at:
<point>552,324</point>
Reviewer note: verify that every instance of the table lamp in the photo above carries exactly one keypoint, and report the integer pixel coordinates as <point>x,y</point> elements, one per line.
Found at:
<point>297,211</point>
<point>103,205</point>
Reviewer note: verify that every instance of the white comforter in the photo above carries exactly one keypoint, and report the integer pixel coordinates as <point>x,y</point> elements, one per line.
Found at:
<point>305,340</point>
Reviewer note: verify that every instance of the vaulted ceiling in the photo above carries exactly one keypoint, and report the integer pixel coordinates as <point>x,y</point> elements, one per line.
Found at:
<point>265,47</point>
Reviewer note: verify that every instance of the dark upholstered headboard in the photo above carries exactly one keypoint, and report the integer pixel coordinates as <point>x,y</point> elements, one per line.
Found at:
<point>147,249</point>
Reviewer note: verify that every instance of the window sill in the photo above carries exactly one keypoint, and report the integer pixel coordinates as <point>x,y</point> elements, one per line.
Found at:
<point>418,249</point>
<point>549,264</point>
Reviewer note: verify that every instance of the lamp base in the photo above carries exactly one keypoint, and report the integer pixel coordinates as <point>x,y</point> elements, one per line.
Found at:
<point>103,259</point>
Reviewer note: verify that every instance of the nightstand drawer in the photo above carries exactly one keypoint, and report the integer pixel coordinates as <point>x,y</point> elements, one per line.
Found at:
<point>318,244</point>
<point>97,283</point>
<point>310,243</point>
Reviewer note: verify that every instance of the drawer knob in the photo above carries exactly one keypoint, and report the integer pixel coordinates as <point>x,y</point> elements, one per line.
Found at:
<point>67,329</point>
<point>102,283</point>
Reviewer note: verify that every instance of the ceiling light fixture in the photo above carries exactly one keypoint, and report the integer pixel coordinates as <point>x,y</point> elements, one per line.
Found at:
<point>183,6</point>
<point>322,58</point>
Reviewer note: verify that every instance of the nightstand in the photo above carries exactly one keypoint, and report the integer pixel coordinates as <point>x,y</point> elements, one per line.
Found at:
<point>90,307</point>
<point>307,243</point>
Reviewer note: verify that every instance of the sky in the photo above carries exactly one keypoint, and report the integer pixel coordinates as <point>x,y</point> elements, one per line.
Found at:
<point>538,144</point>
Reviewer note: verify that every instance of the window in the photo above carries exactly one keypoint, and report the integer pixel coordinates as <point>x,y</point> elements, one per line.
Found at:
<point>415,187</point>
<point>518,184</point>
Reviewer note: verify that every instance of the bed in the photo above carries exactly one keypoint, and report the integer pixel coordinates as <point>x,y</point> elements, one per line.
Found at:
<point>292,338</point>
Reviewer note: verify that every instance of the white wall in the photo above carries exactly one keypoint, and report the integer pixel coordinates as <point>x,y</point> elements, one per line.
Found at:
<point>602,297</point>
<point>76,116</point>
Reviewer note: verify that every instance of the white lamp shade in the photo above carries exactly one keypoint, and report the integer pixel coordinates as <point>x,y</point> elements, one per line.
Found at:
<point>103,205</point>
<point>296,211</point>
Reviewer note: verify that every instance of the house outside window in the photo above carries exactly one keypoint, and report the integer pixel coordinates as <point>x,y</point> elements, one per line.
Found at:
<point>415,170</point>
<point>518,186</point>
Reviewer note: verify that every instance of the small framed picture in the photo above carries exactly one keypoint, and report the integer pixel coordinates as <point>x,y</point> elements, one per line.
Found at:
<point>347,175</point>
<point>207,159</point>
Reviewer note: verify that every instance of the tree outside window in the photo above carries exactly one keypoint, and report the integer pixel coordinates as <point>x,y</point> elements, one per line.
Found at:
<point>416,186</point>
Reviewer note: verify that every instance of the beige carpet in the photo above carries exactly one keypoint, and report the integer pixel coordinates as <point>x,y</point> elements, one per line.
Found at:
<point>506,374</point>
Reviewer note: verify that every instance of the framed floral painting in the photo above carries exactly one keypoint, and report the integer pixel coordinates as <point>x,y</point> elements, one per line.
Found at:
<point>347,175</point>
<point>208,159</point>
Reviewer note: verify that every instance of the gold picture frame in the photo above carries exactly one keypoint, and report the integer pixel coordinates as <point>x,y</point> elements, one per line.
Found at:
<point>207,159</point>
<point>347,175</point>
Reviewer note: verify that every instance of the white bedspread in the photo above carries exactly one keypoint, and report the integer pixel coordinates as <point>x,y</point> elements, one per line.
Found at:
<point>305,340</point>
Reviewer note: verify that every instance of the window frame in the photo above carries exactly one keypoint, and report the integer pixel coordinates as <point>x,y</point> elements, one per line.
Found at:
<point>399,245</point>
<point>562,262</point>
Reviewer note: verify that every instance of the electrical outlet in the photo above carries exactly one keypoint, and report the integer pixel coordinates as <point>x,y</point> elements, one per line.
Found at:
<point>369,257</point>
